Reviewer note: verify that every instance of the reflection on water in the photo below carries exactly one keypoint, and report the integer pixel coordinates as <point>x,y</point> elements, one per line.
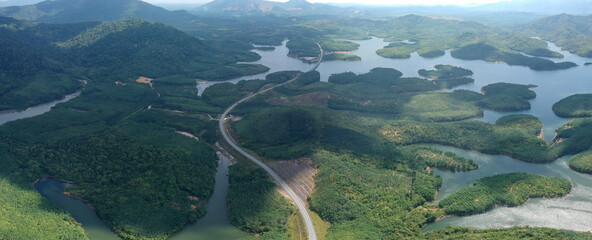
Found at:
<point>94,227</point>
<point>35,110</point>
<point>573,212</point>
<point>215,224</point>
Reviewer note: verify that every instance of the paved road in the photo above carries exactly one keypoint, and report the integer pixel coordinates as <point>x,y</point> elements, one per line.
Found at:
<point>310,229</point>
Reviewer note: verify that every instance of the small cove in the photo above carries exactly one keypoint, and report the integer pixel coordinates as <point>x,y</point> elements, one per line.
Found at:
<point>93,226</point>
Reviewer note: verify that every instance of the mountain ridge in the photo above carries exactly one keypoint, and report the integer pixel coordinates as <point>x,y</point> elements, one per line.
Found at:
<point>570,32</point>
<point>66,11</point>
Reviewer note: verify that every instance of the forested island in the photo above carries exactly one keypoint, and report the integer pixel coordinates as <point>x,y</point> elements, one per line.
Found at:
<point>139,144</point>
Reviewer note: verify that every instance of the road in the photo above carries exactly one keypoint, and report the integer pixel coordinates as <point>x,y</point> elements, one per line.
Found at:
<point>310,229</point>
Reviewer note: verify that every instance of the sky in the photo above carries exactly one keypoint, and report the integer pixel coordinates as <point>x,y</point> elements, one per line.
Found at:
<point>374,2</point>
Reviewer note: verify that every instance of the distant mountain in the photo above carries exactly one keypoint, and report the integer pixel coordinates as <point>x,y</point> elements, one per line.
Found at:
<point>67,11</point>
<point>263,7</point>
<point>7,3</point>
<point>572,33</point>
<point>541,6</point>
<point>240,7</point>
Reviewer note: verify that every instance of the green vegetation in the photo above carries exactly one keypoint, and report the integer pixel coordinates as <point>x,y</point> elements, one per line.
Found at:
<point>440,107</point>
<point>280,133</point>
<point>484,51</point>
<point>118,142</point>
<point>384,82</point>
<point>514,233</point>
<point>582,162</point>
<point>515,135</point>
<point>127,161</point>
<point>438,159</point>
<point>255,205</point>
<point>265,48</point>
<point>74,11</point>
<point>376,203</point>
<point>507,97</point>
<point>570,32</point>
<point>27,215</point>
<point>51,62</point>
<point>445,72</point>
<point>301,47</point>
<point>578,105</point>
<point>341,57</point>
<point>510,189</point>
<point>339,46</point>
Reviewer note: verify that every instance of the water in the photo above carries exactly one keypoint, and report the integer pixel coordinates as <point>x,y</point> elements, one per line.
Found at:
<point>572,212</point>
<point>35,110</point>
<point>552,85</point>
<point>276,60</point>
<point>215,224</point>
<point>93,226</point>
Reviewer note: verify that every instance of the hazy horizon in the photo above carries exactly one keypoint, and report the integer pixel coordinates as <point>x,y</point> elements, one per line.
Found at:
<point>367,2</point>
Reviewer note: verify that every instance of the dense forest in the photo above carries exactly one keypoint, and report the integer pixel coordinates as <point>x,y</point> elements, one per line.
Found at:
<point>119,141</point>
<point>578,105</point>
<point>57,58</point>
<point>392,192</point>
<point>507,189</point>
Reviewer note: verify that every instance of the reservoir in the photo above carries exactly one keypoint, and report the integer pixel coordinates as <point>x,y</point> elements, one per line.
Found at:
<point>571,212</point>
<point>552,85</point>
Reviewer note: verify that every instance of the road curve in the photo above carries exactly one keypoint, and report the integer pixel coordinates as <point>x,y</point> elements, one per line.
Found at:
<point>310,229</point>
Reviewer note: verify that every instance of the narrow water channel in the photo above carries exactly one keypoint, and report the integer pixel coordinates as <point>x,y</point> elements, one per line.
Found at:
<point>35,110</point>
<point>93,226</point>
<point>215,224</point>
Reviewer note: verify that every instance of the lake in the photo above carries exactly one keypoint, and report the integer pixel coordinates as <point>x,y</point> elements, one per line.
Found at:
<point>552,85</point>
<point>571,212</point>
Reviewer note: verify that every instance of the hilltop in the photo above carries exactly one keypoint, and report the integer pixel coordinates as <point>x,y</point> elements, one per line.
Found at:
<point>572,33</point>
<point>65,11</point>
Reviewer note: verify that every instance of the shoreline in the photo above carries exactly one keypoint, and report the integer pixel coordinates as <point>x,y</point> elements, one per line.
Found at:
<point>501,205</point>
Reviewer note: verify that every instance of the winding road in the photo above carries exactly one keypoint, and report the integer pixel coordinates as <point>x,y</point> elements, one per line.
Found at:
<point>310,229</point>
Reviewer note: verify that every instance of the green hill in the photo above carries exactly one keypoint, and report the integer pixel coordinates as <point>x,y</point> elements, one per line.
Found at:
<point>572,33</point>
<point>64,11</point>
<point>42,62</point>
